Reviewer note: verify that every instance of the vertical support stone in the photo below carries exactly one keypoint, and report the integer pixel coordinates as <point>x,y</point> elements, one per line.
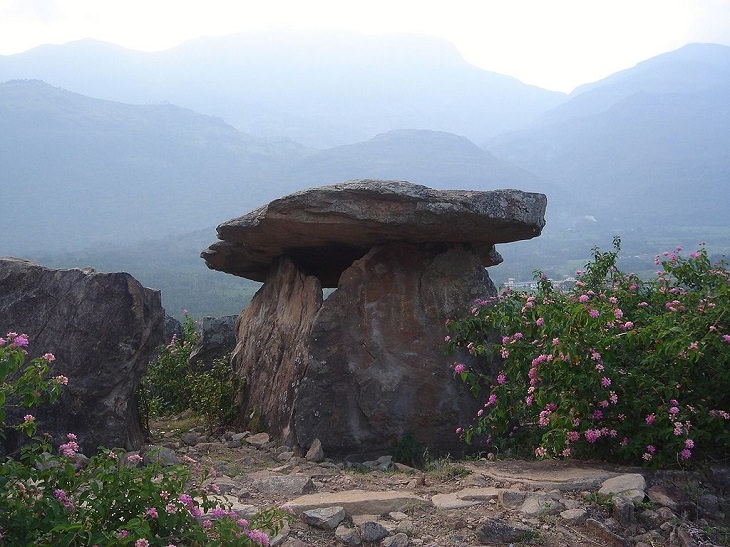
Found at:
<point>272,336</point>
<point>377,367</point>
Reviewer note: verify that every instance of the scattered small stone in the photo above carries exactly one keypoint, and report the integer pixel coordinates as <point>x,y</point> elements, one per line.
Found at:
<point>348,535</point>
<point>501,531</point>
<point>284,485</point>
<point>608,538</point>
<point>511,499</point>
<point>536,505</point>
<point>315,452</point>
<point>574,516</point>
<point>630,486</point>
<point>161,455</point>
<point>623,511</point>
<point>258,440</point>
<point>398,540</point>
<point>372,532</point>
<point>327,518</point>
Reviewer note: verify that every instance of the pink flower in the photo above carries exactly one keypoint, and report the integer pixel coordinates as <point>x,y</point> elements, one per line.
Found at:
<point>501,379</point>
<point>540,452</point>
<point>492,400</point>
<point>685,454</point>
<point>49,357</point>
<point>583,298</point>
<point>592,435</point>
<point>647,456</point>
<point>726,338</point>
<point>650,448</point>
<point>21,341</point>
<point>28,418</point>
<point>121,534</point>
<point>206,524</point>
<point>597,415</point>
<point>643,304</point>
<point>459,368</point>
<point>61,380</point>
<point>540,322</point>
<point>151,512</point>
<point>617,313</point>
<point>689,443</point>
<point>459,431</point>
<point>605,382</point>
<point>135,458</point>
<point>141,543</point>
<point>170,508</point>
<point>594,313</point>
<point>517,336</point>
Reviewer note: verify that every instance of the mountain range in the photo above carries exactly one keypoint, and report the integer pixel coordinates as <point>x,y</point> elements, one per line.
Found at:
<point>102,146</point>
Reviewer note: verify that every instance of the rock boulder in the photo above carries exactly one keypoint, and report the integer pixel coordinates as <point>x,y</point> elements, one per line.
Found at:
<point>102,329</point>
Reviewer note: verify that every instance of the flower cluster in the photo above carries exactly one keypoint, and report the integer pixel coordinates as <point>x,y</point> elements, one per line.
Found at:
<point>615,368</point>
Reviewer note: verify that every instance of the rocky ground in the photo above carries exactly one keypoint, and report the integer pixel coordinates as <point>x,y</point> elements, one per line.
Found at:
<point>466,503</point>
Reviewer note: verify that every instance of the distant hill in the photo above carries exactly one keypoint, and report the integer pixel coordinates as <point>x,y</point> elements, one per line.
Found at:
<point>321,90</point>
<point>647,147</point>
<point>77,170</point>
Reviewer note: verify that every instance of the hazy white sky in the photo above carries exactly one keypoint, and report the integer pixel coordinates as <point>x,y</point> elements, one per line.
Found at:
<point>556,44</point>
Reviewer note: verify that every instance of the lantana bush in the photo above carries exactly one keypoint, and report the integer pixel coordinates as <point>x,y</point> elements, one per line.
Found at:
<point>615,368</point>
<point>52,497</point>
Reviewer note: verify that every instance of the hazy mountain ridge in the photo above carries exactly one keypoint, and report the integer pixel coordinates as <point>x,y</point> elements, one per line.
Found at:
<point>618,157</point>
<point>651,156</point>
<point>321,90</point>
<point>95,170</point>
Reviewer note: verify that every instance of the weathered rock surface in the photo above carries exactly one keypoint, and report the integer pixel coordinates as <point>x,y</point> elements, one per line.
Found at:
<point>102,329</point>
<point>376,367</point>
<point>325,229</point>
<point>273,347</point>
<point>217,337</point>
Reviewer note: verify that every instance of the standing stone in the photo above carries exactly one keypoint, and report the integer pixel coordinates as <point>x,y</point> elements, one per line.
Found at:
<point>102,329</point>
<point>377,368</point>
<point>217,338</point>
<point>271,354</point>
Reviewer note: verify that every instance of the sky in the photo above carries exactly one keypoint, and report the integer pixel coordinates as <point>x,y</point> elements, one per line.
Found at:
<point>554,44</point>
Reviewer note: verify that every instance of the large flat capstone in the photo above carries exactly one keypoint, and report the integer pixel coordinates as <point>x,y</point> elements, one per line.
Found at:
<point>325,229</point>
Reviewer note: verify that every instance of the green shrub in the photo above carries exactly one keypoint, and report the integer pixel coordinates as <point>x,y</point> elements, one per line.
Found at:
<point>173,384</point>
<point>49,500</point>
<point>615,368</point>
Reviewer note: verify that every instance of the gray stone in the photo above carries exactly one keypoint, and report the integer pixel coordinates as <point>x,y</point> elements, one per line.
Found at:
<point>499,531</point>
<point>511,499</point>
<point>348,535</point>
<point>102,328</point>
<point>327,518</point>
<point>607,537</point>
<point>258,440</point>
<point>622,510</point>
<point>536,505</point>
<point>631,486</point>
<point>574,516</point>
<point>326,229</point>
<point>315,452</point>
<point>216,339</point>
<point>285,485</point>
<point>161,454</point>
<point>371,532</point>
<point>398,540</point>
<point>464,498</point>
<point>358,502</point>
<point>669,496</point>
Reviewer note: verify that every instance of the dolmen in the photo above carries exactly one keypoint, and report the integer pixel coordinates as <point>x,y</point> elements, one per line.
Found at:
<point>364,369</point>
